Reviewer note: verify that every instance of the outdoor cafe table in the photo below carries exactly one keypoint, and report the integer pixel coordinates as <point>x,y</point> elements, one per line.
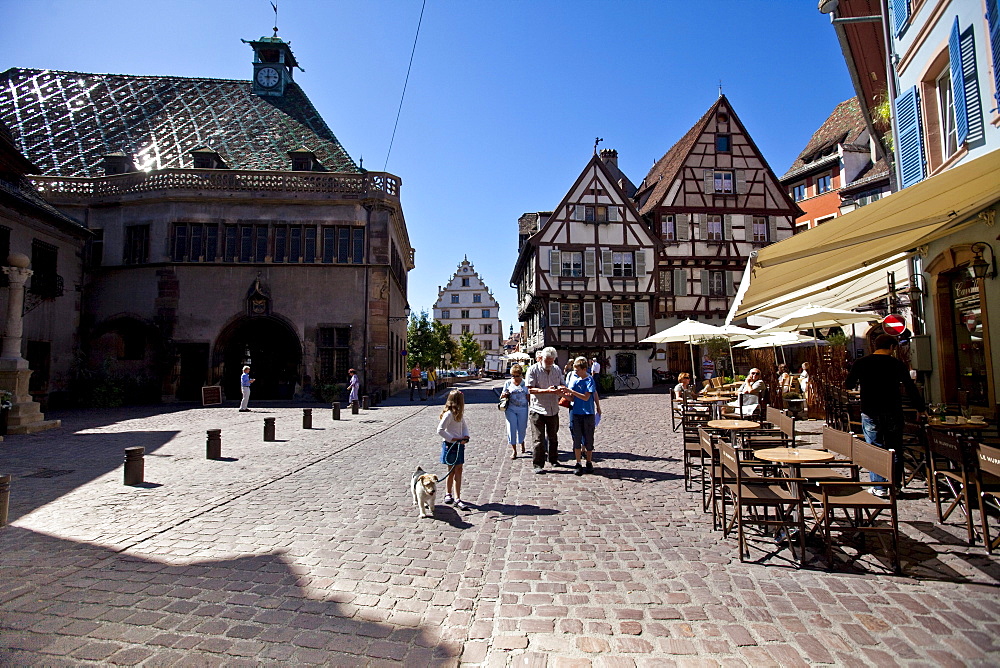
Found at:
<point>968,429</point>
<point>732,426</point>
<point>793,457</point>
<point>713,403</point>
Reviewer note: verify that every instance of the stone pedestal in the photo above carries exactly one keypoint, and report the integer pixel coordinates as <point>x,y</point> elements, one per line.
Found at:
<point>25,415</point>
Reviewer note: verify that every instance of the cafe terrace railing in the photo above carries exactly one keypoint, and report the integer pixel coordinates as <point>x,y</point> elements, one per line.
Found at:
<point>378,185</point>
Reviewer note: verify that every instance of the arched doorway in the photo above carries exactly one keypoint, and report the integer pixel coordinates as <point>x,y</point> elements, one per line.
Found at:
<point>274,351</point>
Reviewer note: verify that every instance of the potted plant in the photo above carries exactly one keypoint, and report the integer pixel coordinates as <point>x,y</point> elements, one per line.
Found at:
<point>6,403</point>
<point>795,402</point>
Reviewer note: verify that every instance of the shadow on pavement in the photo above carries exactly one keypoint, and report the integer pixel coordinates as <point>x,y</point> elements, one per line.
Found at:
<point>40,468</point>
<point>510,510</point>
<point>265,605</point>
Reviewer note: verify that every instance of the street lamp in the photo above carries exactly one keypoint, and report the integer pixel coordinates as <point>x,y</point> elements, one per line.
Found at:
<point>979,267</point>
<point>397,318</point>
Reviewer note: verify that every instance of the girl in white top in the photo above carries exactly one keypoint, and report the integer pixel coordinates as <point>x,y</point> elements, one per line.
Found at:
<point>455,432</point>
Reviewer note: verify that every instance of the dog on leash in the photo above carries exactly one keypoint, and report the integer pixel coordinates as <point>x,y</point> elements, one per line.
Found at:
<point>424,486</point>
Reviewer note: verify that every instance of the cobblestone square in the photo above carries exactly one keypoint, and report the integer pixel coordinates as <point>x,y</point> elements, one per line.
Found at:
<point>308,550</point>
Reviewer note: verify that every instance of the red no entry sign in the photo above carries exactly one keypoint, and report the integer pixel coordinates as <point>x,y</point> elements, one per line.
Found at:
<point>893,324</point>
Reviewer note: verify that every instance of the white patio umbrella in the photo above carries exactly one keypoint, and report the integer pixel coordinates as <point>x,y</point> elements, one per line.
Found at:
<point>775,340</point>
<point>736,333</point>
<point>686,331</point>
<point>518,357</point>
<point>812,317</point>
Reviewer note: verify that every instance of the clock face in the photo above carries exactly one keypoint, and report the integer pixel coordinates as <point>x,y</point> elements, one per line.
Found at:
<point>267,77</point>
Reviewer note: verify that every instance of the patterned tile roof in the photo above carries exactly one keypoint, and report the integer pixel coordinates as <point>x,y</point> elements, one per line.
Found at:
<point>65,122</point>
<point>844,126</point>
<point>654,187</point>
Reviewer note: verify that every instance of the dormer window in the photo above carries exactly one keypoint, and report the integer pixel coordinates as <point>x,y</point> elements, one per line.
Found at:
<point>117,163</point>
<point>304,160</point>
<point>205,158</point>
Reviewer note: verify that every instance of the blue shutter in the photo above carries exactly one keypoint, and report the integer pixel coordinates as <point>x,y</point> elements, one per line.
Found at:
<point>911,140</point>
<point>958,83</point>
<point>900,10</point>
<point>993,17</point>
<point>973,104</point>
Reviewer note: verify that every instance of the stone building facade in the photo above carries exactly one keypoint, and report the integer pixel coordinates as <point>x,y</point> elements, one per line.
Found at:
<point>466,304</point>
<point>228,225</point>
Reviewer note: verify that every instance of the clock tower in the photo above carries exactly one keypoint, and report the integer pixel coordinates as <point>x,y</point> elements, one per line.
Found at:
<point>273,63</point>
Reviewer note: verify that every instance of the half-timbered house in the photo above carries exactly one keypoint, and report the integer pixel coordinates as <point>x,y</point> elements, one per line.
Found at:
<point>584,274</point>
<point>711,199</point>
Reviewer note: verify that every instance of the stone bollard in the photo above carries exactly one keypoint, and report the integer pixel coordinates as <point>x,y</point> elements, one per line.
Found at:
<point>354,408</point>
<point>135,468</point>
<point>4,498</point>
<point>269,429</point>
<point>307,418</point>
<point>213,445</point>
<point>336,410</point>
<point>364,402</point>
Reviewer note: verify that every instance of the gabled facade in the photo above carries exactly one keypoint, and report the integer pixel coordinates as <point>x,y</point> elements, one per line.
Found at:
<point>712,199</point>
<point>585,273</point>
<point>466,304</point>
<point>838,170</point>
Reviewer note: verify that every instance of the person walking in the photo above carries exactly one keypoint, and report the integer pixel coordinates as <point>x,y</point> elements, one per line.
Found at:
<point>354,385</point>
<point>415,381</point>
<point>245,381</point>
<point>583,390</point>
<point>544,382</point>
<point>516,414</point>
<point>880,376</point>
<point>595,367</point>
<point>455,434</point>
<point>431,382</point>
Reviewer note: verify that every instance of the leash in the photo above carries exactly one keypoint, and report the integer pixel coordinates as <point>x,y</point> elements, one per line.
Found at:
<point>447,456</point>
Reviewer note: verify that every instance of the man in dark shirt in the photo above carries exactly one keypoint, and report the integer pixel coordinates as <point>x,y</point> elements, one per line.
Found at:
<point>880,375</point>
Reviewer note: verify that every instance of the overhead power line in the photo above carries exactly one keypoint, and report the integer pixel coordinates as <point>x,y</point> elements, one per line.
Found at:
<point>406,81</point>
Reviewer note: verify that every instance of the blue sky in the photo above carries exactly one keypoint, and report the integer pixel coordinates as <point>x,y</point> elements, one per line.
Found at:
<point>505,97</point>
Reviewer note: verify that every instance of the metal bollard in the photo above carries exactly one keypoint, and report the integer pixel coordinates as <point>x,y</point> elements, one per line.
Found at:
<point>354,408</point>
<point>307,418</point>
<point>336,410</point>
<point>4,498</point>
<point>213,445</point>
<point>135,468</point>
<point>268,429</point>
<point>364,402</point>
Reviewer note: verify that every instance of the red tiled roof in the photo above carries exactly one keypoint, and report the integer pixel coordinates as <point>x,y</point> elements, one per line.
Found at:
<point>654,187</point>
<point>844,126</point>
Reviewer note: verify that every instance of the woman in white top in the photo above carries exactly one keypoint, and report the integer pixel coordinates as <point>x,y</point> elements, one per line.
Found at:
<point>455,432</point>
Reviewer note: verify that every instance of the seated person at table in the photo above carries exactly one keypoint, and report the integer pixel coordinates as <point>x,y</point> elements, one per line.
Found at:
<point>749,394</point>
<point>683,389</point>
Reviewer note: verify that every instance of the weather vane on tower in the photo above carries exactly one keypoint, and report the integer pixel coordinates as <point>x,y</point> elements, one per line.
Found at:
<point>274,5</point>
<point>597,140</point>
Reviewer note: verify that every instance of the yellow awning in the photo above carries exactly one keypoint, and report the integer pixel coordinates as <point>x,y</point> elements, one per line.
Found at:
<point>871,239</point>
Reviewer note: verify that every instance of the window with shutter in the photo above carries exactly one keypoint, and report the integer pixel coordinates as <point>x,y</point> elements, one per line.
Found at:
<point>613,214</point>
<point>727,230</point>
<point>730,283</point>
<point>900,10</point>
<point>911,140</point>
<point>683,227</point>
<point>705,283</point>
<point>993,19</point>
<point>555,263</point>
<point>970,78</point>
<point>554,313</point>
<point>714,229</point>
<point>702,221</point>
<point>607,314</point>
<point>957,83</point>
<point>578,212</point>
<point>589,315</point>
<point>641,314</point>
<point>640,263</point>
<point>741,182</point>
<point>772,229</point>
<point>680,282</point>
<point>665,284</point>
<point>709,182</point>
<point>607,263</point>
<point>590,263</point>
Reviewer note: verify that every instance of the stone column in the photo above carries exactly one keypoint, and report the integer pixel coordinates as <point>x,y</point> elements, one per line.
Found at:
<point>25,416</point>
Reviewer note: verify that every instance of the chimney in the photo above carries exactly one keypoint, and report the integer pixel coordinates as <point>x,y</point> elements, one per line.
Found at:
<point>609,156</point>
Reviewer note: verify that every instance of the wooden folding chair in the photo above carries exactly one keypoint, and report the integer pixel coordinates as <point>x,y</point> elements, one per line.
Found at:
<point>862,509</point>
<point>949,466</point>
<point>749,494</point>
<point>782,421</point>
<point>988,484</point>
<point>691,420</point>
<point>916,453</point>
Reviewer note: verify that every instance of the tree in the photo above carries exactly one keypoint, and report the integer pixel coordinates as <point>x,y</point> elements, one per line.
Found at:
<point>422,343</point>
<point>469,350</point>
<point>717,349</point>
<point>445,342</point>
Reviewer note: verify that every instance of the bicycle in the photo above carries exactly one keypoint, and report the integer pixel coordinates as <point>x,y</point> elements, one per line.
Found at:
<point>628,380</point>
